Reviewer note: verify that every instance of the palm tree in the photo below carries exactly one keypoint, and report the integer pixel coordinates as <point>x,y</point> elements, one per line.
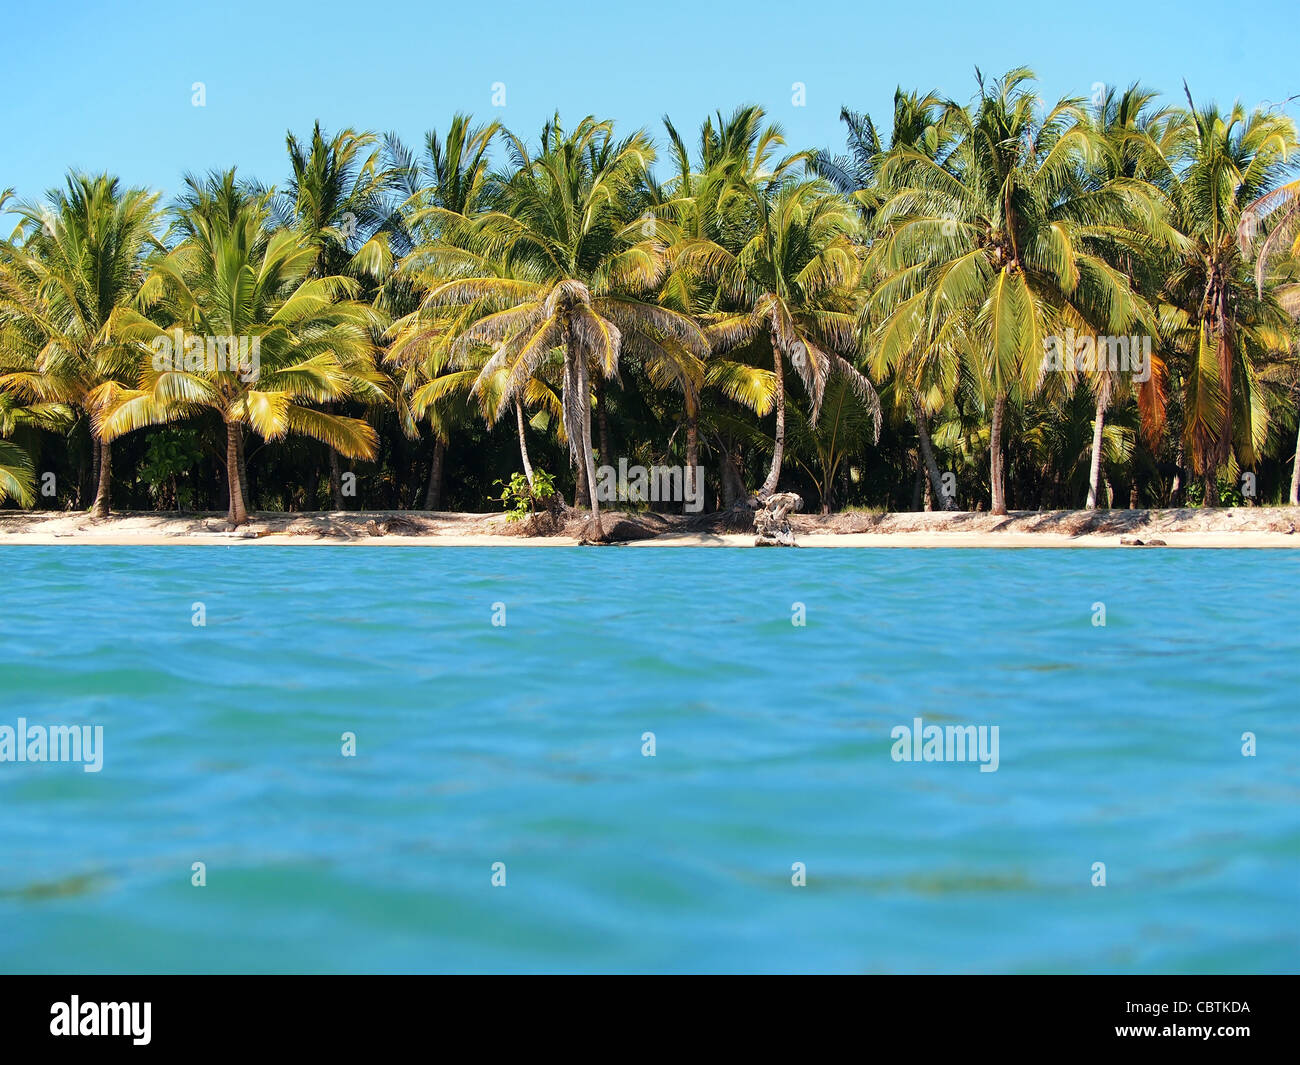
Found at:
<point>232,279</point>
<point>78,265</point>
<point>1270,232</point>
<point>788,289</point>
<point>582,277</point>
<point>700,204</point>
<point>999,246</point>
<point>337,201</point>
<point>1231,160</point>
<point>1131,135</point>
<point>927,375</point>
<point>443,192</point>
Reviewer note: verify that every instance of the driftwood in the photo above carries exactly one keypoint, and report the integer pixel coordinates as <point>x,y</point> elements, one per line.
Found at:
<point>771,522</point>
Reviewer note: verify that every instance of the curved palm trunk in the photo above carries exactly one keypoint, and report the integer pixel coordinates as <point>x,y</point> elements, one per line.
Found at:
<point>1294,497</point>
<point>996,472</point>
<point>105,486</point>
<point>237,514</point>
<point>778,451</point>
<point>584,396</point>
<point>934,488</point>
<point>523,443</point>
<point>1094,473</point>
<point>433,494</point>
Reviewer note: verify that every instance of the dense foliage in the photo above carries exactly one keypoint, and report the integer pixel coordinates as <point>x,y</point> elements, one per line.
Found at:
<point>1001,303</point>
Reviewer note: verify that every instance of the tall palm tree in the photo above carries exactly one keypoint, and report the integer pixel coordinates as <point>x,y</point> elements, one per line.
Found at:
<point>1131,134</point>
<point>701,203</point>
<point>927,376</point>
<point>442,192</point>
<point>582,276</point>
<point>1231,160</point>
<point>78,263</point>
<point>994,249</point>
<point>1270,231</point>
<point>791,284</point>
<point>232,277</point>
<point>337,200</point>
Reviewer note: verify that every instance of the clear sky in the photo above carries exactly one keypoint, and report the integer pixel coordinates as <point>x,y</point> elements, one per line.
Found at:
<point>108,86</point>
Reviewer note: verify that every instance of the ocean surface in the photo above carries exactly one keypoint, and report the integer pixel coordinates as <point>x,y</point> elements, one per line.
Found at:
<point>525,743</point>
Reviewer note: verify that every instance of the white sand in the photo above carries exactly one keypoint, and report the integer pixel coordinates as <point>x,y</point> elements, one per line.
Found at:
<point>1240,528</point>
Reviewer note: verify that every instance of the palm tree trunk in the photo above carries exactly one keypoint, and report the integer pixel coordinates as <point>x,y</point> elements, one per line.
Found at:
<point>602,423</point>
<point>336,479</point>
<point>577,401</point>
<point>935,489</point>
<point>237,515</point>
<point>1094,473</point>
<point>692,447</point>
<point>87,482</point>
<point>778,450</point>
<point>996,473</point>
<point>523,442</point>
<point>580,488</point>
<point>733,485</point>
<point>584,395</point>
<point>1294,497</point>
<point>1211,482</point>
<point>433,494</point>
<point>1176,491</point>
<point>105,488</point>
<point>243,469</point>
<point>336,476</point>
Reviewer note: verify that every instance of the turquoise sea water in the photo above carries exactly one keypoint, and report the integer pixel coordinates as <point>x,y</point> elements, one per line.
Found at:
<point>522,744</point>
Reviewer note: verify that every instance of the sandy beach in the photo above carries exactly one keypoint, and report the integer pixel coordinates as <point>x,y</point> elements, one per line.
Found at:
<point>1272,527</point>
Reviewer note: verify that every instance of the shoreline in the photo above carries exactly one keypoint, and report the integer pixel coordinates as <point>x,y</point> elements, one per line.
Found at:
<point>1253,527</point>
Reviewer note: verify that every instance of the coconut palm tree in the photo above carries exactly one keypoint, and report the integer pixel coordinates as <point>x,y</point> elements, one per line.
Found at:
<point>76,265</point>
<point>232,279</point>
<point>337,200</point>
<point>789,291</point>
<point>1270,233</point>
<point>1133,136</point>
<point>581,278</point>
<point>442,192</point>
<point>701,204</point>
<point>1231,161</point>
<point>993,250</point>
<point>927,375</point>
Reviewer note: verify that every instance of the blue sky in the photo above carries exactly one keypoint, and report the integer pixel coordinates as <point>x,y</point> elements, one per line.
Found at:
<point>108,87</point>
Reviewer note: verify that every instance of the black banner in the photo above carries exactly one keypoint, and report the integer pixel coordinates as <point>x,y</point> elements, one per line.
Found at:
<point>337,1015</point>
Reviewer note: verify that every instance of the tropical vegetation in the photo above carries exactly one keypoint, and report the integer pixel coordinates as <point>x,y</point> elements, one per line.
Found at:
<point>996,303</point>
